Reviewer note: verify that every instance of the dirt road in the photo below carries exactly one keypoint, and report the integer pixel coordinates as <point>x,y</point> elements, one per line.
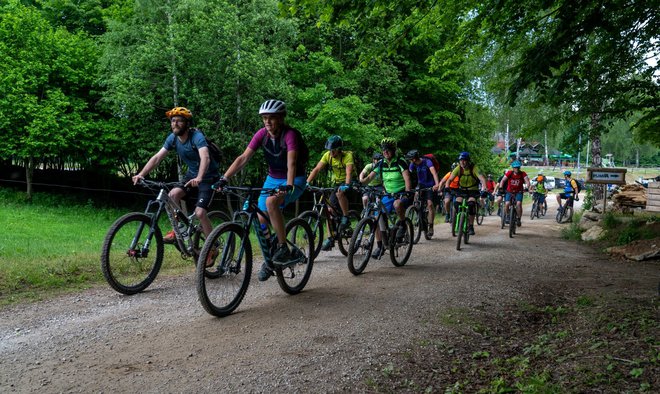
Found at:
<point>326,339</point>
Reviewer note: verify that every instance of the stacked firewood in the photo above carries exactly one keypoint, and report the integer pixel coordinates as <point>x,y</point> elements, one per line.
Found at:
<point>631,195</point>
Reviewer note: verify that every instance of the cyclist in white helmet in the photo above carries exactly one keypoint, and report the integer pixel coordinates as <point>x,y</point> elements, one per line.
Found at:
<point>286,155</point>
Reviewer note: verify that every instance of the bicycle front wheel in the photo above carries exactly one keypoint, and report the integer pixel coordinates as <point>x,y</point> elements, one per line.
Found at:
<point>512,221</point>
<point>401,247</point>
<point>293,278</point>
<point>316,224</point>
<point>481,212</point>
<point>412,213</point>
<point>128,264</point>
<point>533,212</point>
<point>224,269</point>
<point>461,230</point>
<point>361,246</point>
<point>347,233</point>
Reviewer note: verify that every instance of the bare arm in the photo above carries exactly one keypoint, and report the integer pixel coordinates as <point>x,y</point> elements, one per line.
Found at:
<point>151,164</point>
<point>349,171</point>
<point>239,163</point>
<point>435,178</point>
<point>312,175</point>
<point>291,158</point>
<point>406,179</point>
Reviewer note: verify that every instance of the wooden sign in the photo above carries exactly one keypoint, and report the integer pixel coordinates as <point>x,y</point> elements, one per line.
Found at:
<point>601,175</point>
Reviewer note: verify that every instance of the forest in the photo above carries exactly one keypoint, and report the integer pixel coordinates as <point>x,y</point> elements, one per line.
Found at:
<point>86,83</point>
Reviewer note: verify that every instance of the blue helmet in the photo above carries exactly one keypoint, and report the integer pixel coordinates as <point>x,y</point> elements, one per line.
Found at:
<point>464,156</point>
<point>567,173</point>
<point>516,163</point>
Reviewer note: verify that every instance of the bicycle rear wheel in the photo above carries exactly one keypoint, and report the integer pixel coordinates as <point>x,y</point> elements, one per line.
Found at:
<point>216,218</point>
<point>361,246</point>
<point>412,213</point>
<point>400,248</point>
<point>293,278</point>
<point>461,230</point>
<point>127,265</point>
<point>346,234</point>
<point>561,213</point>
<point>316,225</point>
<point>222,286</point>
<point>426,224</point>
<point>481,212</point>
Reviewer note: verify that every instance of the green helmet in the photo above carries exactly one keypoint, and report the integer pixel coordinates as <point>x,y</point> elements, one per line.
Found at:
<point>388,143</point>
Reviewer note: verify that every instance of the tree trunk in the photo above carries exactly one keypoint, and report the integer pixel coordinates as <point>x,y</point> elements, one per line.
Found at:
<point>596,159</point>
<point>29,175</point>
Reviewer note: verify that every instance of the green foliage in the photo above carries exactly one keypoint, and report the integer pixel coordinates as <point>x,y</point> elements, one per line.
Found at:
<point>45,91</point>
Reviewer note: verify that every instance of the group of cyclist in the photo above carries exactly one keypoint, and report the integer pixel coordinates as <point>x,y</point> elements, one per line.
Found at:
<point>287,155</point>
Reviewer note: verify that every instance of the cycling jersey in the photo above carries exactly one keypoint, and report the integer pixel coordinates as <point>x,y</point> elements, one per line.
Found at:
<point>423,169</point>
<point>516,181</point>
<point>490,186</point>
<point>540,188</point>
<point>571,187</point>
<point>469,177</point>
<point>376,181</point>
<point>275,151</point>
<point>338,165</point>
<point>392,174</point>
<point>188,152</point>
<point>454,182</point>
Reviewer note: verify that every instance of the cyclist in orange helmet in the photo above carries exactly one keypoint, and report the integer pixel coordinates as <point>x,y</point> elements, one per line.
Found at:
<point>190,144</point>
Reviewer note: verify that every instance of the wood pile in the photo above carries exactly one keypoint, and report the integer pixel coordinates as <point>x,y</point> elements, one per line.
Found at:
<point>653,200</point>
<point>632,195</point>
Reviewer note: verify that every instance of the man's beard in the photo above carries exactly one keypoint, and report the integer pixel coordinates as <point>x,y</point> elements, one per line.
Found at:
<point>180,131</point>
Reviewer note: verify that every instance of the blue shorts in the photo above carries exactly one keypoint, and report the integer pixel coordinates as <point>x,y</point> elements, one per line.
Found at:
<point>519,196</point>
<point>271,183</point>
<point>388,202</point>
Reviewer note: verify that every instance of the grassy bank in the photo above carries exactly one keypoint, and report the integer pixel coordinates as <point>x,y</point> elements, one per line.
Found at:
<point>52,245</point>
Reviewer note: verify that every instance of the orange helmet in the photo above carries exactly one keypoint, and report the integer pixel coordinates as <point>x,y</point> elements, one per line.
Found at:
<point>179,111</point>
<point>539,178</point>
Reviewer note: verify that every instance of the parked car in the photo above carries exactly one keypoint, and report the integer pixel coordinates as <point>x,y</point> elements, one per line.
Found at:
<point>560,183</point>
<point>549,182</point>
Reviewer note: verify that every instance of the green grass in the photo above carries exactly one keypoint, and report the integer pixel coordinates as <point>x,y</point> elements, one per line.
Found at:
<point>52,244</point>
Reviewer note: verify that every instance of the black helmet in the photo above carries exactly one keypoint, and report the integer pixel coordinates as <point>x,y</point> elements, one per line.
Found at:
<point>334,142</point>
<point>377,156</point>
<point>412,154</point>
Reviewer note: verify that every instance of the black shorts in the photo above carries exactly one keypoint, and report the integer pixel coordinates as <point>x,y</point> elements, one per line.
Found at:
<point>468,194</point>
<point>202,194</point>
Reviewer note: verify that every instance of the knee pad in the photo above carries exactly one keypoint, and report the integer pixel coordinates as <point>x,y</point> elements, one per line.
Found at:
<point>472,207</point>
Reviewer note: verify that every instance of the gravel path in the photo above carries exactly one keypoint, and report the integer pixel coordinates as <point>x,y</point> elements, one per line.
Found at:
<point>329,338</point>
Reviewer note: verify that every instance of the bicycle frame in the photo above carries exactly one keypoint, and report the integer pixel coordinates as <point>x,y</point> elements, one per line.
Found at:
<point>163,202</point>
<point>321,207</point>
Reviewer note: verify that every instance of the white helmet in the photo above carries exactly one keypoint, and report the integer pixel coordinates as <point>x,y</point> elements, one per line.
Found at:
<point>272,107</point>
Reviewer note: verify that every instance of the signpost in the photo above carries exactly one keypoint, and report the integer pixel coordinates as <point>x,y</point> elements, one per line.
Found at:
<point>604,176</point>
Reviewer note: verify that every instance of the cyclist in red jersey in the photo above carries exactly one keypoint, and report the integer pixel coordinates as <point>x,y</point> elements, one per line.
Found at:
<point>516,177</point>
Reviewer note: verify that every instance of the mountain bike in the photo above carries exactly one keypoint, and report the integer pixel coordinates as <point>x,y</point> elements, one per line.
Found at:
<point>462,219</point>
<point>513,215</point>
<point>222,284</point>
<point>418,214</point>
<point>482,209</point>
<point>364,236</point>
<point>133,248</point>
<point>538,209</point>
<point>565,211</point>
<point>315,217</point>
